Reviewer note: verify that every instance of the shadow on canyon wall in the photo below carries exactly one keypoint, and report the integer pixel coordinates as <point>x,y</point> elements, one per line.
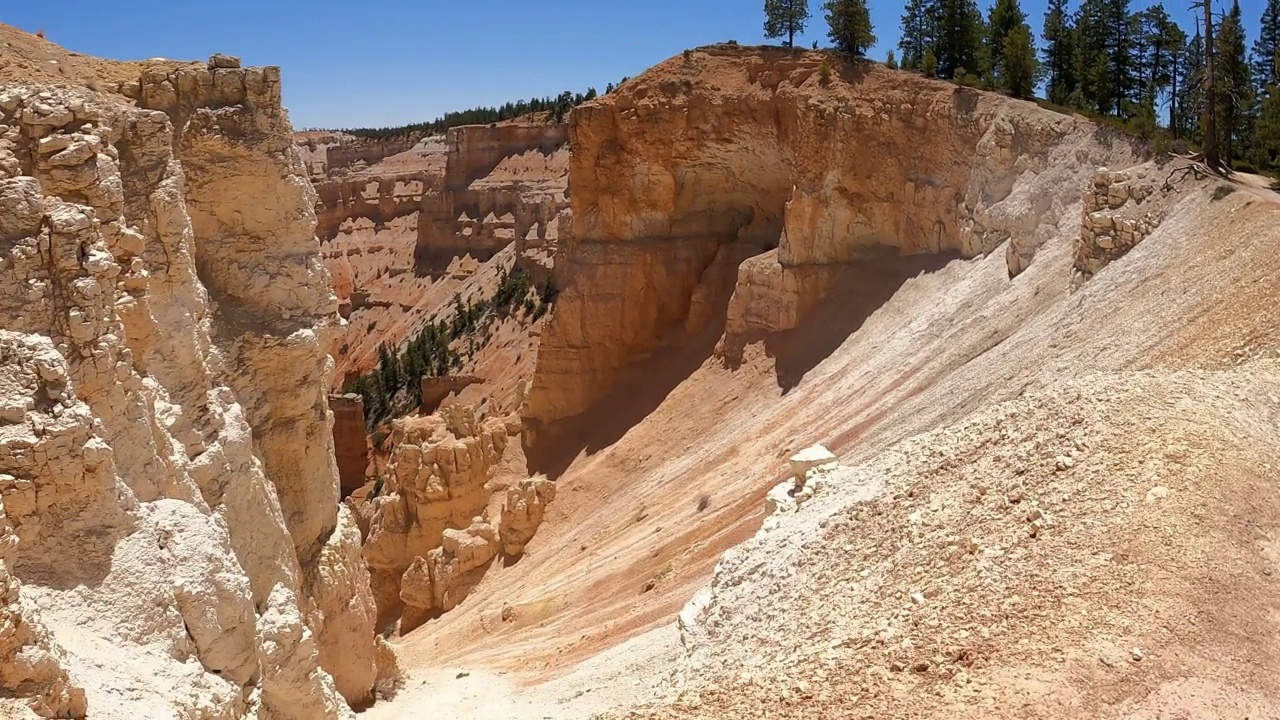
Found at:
<point>860,288</point>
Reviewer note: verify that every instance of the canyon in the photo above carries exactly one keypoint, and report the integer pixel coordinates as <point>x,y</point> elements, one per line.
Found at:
<point>772,384</point>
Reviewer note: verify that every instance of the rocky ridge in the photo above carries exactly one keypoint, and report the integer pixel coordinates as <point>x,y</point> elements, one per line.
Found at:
<point>742,177</point>
<point>165,453</point>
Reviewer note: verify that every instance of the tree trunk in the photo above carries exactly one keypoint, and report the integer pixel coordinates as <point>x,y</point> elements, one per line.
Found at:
<point>1209,124</point>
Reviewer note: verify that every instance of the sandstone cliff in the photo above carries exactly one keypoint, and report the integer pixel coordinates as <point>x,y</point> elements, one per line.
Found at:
<point>400,241</point>
<point>336,154</point>
<point>744,167</point>
<point>165,452</point>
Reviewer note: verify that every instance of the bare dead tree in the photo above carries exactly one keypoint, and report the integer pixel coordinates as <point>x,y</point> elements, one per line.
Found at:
<point>1209,113</point>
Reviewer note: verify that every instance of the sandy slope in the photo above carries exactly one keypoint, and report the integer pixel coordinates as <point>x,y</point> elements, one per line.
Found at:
<point>625,545</point>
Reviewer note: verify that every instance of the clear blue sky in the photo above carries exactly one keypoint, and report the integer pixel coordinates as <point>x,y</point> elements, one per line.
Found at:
<point>391,62</point>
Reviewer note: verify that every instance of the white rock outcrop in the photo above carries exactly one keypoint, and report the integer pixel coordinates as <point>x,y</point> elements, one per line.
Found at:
<point>813,469</point>
<point>166,463</point>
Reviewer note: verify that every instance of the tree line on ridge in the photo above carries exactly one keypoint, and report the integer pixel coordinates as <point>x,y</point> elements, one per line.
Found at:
<point>1210,87</point>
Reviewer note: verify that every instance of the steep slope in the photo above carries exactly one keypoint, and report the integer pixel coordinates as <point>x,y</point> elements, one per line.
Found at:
<point>687,412</point>
<point>1097,548</point>
<point>165,452</point>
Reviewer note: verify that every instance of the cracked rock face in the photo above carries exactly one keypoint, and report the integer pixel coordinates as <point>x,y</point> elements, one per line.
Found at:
<point>166,464</point>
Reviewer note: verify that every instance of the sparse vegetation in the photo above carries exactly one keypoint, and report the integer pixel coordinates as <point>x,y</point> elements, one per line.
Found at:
<point>394,386</point>
<point>555,108</point>
<point>824,72</point>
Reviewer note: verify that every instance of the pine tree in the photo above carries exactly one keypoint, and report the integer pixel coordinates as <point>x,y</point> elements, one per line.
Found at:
<point>1091,64</point>
<point>1234,86</point>
<point>1018,67</point>
<point>917,32</point>
<point>1266,48</point>
<point>929,63</point>
<point>1120,35</point>
<point>960,29</point>
<point>1160,46</point>
<point>890,62</point>
<point>785,18</point>
<point>1266,132</point>
<point>1057,52</point>
<point>1005,15</point>
<point>1209,88</point>
<point>1190,98</point>
<point>849,24</point>
<point>1265,139</point>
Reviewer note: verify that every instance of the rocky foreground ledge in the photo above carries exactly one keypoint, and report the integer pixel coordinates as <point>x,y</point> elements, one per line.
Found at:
<point>173,541</point>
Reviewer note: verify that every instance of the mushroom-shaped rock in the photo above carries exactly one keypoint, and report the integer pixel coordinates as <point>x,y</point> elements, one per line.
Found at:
<point>808,459</point>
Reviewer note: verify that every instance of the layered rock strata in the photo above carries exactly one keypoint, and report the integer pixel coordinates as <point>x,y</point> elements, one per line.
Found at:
<point>378,200</point>
<point>735,152</point>
<point>165,451</point>
<point>478,214</point>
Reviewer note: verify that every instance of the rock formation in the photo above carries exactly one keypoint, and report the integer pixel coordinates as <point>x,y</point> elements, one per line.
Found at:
<point>400,241</point>
<point>378,200</point>
<point>336,154</point>
<point>32,664</point>
<point>811,470</point>
<point>483,209</point>
<point>522,512</point>
<point>165,451</point>
<point>435,480</point>
<point>350,441</point>
<point>439,581</point>
<point>689,170</point>
<point>435,390</point>
<point>440,518</point>
<point>1120,209</point>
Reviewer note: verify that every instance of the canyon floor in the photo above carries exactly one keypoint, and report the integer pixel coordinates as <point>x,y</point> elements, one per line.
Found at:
<point>1045,363</point>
